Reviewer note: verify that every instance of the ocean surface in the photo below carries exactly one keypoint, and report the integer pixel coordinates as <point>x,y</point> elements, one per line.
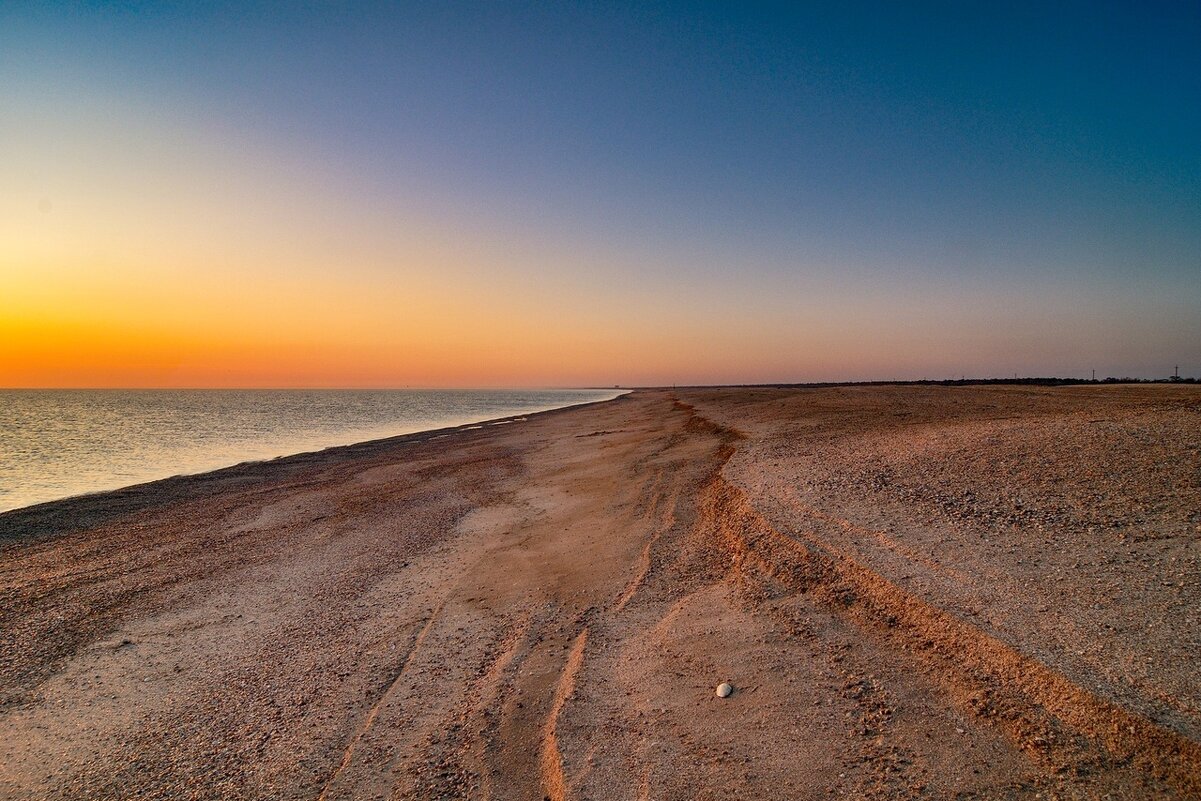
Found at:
<point>58,443</point>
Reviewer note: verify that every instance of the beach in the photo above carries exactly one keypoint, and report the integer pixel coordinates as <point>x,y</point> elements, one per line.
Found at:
<point>914,592</point>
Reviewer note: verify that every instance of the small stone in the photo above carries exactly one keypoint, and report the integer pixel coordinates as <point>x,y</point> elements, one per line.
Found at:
<point>724,689</point>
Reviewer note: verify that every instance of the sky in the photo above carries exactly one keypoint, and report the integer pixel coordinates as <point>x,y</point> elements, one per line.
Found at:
<point>570,194</point>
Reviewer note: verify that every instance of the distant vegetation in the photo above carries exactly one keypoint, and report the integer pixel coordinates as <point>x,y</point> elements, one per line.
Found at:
<point>962,382</point>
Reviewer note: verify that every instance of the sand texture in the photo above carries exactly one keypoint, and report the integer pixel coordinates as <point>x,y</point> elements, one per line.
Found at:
<point>914,593</point>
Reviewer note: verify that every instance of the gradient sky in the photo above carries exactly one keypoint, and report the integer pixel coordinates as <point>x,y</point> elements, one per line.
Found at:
<point>450,194</point>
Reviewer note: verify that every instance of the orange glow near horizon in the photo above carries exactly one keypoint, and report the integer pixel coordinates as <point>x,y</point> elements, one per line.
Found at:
<point>106,326</point>
<point>141,255</point>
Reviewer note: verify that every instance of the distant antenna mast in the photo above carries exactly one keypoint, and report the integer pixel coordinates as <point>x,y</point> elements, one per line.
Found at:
<point>1178,371</point>
<point>1094,375</point>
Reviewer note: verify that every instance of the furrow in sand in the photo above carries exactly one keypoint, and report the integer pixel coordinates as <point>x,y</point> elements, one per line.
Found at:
<point>554,782</point>
<point>989,678</point>
<point>486,696</point>
<point>646,557</point>
<point>373,713</point>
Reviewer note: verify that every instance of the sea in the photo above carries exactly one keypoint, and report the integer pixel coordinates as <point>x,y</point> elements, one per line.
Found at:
<point>59,443</point>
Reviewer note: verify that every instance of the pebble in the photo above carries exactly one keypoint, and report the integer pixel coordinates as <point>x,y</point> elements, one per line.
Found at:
<point>724,689</point>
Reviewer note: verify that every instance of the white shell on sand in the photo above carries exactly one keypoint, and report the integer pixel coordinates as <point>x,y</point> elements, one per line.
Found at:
<point>724,689</point>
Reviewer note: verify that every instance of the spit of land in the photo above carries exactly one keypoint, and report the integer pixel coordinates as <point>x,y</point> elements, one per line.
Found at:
<point>915,592</point>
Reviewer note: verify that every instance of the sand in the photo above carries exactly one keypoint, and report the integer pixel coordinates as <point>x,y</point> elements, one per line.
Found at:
<point>975,592</point>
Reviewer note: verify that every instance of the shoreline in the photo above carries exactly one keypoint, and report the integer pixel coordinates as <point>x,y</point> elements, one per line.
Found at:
<point>913,592</point>
<point>88,504</point>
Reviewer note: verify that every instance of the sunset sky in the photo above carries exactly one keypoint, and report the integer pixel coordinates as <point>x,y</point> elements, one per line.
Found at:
<point>497,194</point>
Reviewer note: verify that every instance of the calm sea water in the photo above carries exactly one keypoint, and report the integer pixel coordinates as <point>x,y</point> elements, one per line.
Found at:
<point>58,443</point>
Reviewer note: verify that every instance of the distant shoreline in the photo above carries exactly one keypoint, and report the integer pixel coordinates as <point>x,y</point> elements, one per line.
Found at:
<point>91,508</point>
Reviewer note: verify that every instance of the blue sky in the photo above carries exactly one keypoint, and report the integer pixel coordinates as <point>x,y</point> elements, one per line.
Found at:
<point>1018,163</point>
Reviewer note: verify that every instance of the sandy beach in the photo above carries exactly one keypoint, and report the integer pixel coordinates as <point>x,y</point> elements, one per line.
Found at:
<point>915,592</point>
